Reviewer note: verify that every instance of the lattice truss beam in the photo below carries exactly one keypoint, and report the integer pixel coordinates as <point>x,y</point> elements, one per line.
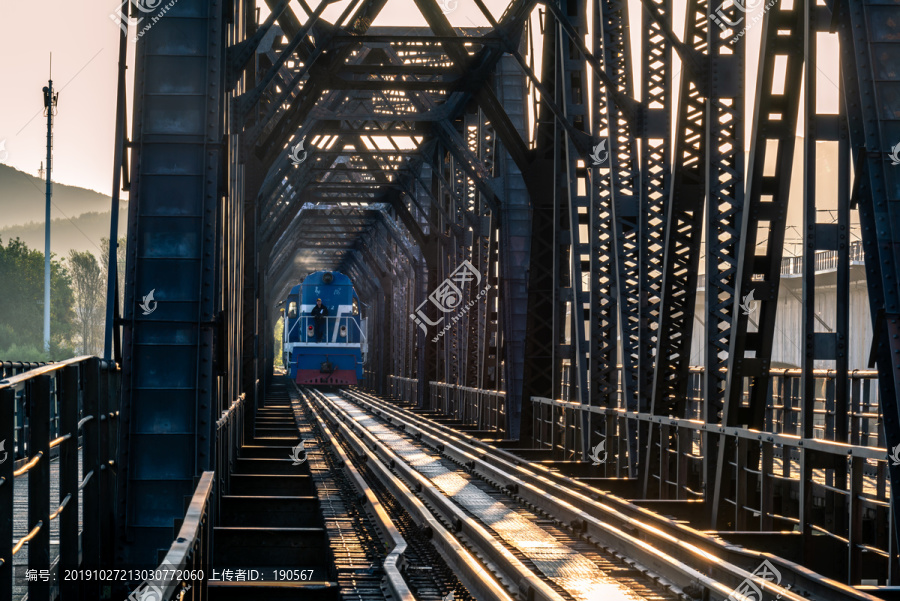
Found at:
<point>657,216</point>
<point>344,118</point>
<point>604,220</point>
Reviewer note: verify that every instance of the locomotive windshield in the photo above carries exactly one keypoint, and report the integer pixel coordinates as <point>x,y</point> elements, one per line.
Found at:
<point>325,338</point>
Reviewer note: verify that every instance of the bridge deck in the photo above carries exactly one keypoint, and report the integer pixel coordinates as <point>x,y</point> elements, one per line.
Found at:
<point>573,568</point>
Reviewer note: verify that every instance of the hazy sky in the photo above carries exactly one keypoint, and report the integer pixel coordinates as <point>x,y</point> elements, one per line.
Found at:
<point>84,42</point>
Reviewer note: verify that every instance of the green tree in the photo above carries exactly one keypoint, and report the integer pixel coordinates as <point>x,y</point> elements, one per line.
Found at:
<point>120,268</point>
<point>89,300</point>
<point>22,303</point>
<point>279,344</point>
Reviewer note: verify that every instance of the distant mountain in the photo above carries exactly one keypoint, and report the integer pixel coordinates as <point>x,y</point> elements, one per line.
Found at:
<point>22,199</point>
<point>81,233</point>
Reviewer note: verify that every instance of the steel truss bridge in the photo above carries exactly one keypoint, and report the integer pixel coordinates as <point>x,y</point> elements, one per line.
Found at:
<point>586,163</point>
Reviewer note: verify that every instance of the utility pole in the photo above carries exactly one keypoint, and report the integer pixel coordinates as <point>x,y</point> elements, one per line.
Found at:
<point>50,100</point>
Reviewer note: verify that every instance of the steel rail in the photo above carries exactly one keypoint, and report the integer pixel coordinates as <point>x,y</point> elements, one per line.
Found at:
<point>395,541</point>
<point>677,574</point>
<point>611,521</point>
<point>474,576</point>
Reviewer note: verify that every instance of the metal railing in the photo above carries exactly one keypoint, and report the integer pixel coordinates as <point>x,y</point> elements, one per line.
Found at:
<point>230,429</point>
<point>825,260</point>
<point>404,389</point>
<point>183,573</point>
<point>67,408</point>
<point>15,446</point>
<point>334,329</point>
<point>834,485</point>
<point>784,404</point>
<point>14,368</point>
<point>483,409</point>
<point>62,401</point>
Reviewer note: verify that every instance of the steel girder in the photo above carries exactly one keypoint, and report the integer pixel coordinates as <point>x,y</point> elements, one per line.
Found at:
<point>604,314</point>
<point>764,221</point>
<point>684,214</point>
<point>623,186</point>
<point>656,178</point>
<point>572,196</point>
<point>449,138</point>
<point>869,47</point>
<point>618,242</point>
<point>724,210</point>
<point>657,270</point>
<point>171,394</point>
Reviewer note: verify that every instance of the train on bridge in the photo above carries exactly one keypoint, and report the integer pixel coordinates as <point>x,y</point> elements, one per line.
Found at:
<point>324,334</point>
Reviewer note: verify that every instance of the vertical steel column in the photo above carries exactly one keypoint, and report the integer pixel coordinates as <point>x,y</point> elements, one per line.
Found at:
<point>656,154</point>
<point>683,229</point>
<point>169,387</point>
<point>811,343</point>
<point>624,174</point>
<point>92,545</point>
<point>572,187</point>
<point>512,245</point>
<point>604,371</point>
<point>542,367</point>
<point>872,112</point>
<point>759,246</point>
<point>482,237</point>
<point>255,336</point>
<point>834,236</point>
<point>724,211</point>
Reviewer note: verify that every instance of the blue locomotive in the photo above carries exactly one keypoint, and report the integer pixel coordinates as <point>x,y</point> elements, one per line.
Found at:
<point>324,347</point>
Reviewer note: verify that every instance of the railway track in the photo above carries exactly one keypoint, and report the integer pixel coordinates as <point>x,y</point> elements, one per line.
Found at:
<point>352,533</point>
<point>687,562</point>
<point>499,546</point>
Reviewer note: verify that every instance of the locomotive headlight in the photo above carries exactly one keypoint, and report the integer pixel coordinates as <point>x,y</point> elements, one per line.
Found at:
<point>343,332</point>
<point>309,330</point>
